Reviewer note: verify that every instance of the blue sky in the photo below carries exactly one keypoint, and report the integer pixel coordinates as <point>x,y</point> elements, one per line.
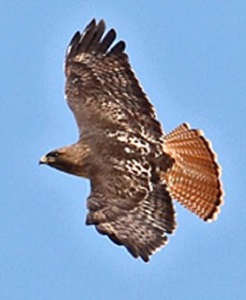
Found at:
<point>190,59</point>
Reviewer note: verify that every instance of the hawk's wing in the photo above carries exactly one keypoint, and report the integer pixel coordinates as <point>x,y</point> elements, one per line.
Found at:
<point>101,88</point>
<point>128,201</point>
<point>142,229</point>
<point>128,206</point>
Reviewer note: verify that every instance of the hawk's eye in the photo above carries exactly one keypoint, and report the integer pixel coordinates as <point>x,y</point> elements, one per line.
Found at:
<point>53,154</point>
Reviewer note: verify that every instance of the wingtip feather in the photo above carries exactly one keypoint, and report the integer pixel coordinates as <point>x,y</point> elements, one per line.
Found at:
<point>91,40</point>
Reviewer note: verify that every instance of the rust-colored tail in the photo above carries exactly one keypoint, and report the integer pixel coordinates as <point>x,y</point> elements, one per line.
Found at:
<point>194,179</point>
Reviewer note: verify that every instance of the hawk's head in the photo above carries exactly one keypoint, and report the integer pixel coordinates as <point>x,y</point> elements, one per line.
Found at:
<point>71,159</point>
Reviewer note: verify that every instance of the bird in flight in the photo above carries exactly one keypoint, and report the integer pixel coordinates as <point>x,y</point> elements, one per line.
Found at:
<point>135,169</point>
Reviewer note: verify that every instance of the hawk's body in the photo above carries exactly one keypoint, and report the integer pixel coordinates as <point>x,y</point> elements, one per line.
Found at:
<point>133,167</point>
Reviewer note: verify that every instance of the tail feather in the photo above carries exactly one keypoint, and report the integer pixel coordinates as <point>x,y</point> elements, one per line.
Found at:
<point>194,179</point>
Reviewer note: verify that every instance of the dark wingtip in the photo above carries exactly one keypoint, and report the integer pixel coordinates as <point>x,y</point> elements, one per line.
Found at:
<point>92,40</point>
<point>91,24</point>
<point>107,41</point>
<point>118,48</point>
<point>73,45</point>
<point>101,23</point>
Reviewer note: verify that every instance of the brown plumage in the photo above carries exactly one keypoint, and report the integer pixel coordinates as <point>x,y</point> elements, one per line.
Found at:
<point>134,168</point>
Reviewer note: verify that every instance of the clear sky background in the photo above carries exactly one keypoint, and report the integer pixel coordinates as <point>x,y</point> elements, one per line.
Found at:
<point>190,58</point>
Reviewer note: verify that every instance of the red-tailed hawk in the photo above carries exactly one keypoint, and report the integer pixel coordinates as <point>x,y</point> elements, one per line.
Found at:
<point>135,169</point>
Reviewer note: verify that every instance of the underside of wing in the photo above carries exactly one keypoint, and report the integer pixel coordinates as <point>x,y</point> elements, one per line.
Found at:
<point>141,227</point>
<point>127,201</point>
<point>101,88</point>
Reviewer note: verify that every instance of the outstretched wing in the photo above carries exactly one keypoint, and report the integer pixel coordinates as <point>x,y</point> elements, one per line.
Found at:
<point>140,224</point>
<point>143,229</point>
<point>128,202</point>
<point>101,88</point>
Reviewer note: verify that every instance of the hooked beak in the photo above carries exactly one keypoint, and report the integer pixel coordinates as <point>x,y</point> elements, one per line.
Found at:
<point>43,160</point>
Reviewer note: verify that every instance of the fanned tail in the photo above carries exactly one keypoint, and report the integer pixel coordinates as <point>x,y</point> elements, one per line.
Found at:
<point>194,178</point>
